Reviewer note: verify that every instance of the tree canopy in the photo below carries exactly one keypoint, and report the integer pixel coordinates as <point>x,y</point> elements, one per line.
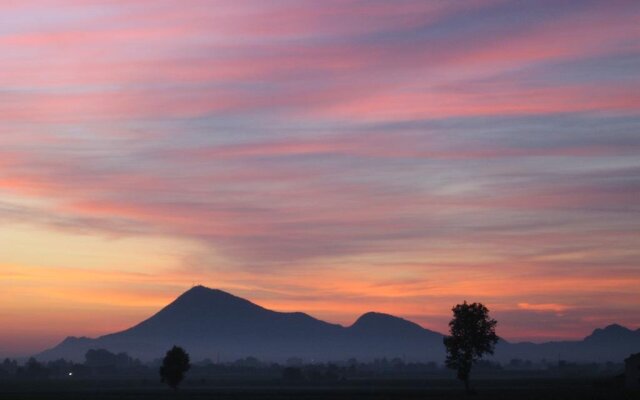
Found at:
<point>472,335</point>
<point>174,366</point>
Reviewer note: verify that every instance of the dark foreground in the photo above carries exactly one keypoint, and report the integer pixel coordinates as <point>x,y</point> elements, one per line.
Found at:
<point>435,389</point>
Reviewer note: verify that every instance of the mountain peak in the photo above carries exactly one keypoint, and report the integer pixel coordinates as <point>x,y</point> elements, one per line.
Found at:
<point>199,290</point>
<point>202,297</point>
<point>613,331</point>
<point>381,321</point>
<point>375,316</point>
<point>387,327</point>
<point>195,308</point>
<point>615,327</point>
<point>204,294</point>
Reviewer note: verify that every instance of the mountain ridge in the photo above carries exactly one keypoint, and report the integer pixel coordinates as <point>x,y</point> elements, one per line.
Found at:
<point>211,321</point>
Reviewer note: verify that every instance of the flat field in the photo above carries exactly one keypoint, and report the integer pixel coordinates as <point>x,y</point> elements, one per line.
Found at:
<point>526,389</point>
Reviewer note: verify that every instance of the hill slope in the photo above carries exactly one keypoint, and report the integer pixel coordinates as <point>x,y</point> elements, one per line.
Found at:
<point>212,323</point>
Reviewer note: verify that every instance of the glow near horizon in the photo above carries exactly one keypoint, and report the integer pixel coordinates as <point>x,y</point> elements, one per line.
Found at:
<point>333,158</point>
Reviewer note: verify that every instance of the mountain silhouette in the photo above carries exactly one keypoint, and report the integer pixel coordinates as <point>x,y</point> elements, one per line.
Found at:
<point>612,343</point>
<point>210,323</point>
<point>613,332</point>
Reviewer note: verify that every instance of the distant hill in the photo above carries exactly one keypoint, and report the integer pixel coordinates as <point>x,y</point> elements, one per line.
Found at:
<point>211,323</point>
<point>613,343</point>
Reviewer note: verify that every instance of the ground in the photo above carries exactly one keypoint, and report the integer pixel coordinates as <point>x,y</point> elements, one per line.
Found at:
<point>443,389</point>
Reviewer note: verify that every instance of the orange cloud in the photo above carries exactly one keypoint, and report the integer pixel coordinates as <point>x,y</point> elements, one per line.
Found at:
<point>556,308</point>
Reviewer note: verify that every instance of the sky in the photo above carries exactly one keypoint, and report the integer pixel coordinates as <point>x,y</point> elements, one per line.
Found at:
<point>332,157</point>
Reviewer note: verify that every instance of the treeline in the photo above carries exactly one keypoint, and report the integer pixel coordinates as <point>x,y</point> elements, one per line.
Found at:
<point>97,363</point>
<point>103,364</point>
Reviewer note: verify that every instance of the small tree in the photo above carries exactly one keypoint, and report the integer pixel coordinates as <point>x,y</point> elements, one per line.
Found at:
<point>174,366</point>
<point>473,334</point>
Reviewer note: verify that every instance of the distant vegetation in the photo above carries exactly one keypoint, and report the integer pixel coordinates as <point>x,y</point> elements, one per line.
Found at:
<point>105,375</point>
<point>102,364</point>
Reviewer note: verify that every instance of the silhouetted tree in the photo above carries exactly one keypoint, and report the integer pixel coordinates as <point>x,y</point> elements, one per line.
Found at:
<point>174,366</point>
<point>473,334</point>
<point>33,370</point>
<point>8,367</point>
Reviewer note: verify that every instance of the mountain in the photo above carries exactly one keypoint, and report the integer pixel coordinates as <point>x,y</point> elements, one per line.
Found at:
<point>211,323</point>
<point>612,343</point>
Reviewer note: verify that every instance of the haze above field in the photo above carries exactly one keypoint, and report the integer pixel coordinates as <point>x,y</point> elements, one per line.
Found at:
<point>325,157</point>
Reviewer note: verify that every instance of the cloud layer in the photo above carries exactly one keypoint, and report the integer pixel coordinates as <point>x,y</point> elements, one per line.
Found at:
<point>333,157</point>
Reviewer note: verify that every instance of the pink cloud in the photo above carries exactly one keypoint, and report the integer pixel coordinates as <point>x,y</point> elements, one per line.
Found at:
<point>439,142</point>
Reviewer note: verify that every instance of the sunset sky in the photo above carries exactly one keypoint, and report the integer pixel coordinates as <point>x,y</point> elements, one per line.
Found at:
<point>331,157</point>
